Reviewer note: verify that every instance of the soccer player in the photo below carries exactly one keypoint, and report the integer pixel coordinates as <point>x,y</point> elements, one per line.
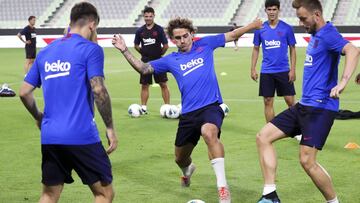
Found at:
<point>154,44</point>
<point>236,40</point>
<point>314,115</point>
<point>30,42</point>
<point>275,38</point>
<point>193,68</point>
<point>70,71</point>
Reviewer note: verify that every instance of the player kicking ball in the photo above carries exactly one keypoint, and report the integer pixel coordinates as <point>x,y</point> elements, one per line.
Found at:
<point>193,68</point>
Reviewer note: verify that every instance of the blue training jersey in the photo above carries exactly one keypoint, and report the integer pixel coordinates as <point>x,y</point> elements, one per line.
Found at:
<point>275,42</point>
<point>194,72</point>
<point>321,68</point>
<point>64,69</point>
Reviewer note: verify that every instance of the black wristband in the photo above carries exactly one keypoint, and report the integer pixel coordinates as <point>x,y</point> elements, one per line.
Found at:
<point>125,50</point>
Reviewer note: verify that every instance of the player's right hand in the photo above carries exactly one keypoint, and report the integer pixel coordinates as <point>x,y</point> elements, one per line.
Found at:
<point>112,140</point>
<point>258,24</point>
<point>254,75</point>
<point>119,42</point>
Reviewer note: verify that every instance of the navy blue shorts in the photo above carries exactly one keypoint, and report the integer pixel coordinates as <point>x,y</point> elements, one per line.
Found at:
<point>269,82</point>
<point>30,52</point>
<point>313,123</point>
<point>189,130</point>
<point>147,79</point>
<point>90,162</point>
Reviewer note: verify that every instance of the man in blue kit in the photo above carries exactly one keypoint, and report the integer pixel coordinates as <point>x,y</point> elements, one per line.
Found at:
<point>193,69</point>
<point>314,115</point>
<point>275,37</point>
<point>70,71</point>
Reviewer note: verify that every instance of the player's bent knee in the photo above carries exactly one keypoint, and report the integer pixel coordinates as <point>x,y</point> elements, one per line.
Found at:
<point>307,163</point>
<point>261,139</point>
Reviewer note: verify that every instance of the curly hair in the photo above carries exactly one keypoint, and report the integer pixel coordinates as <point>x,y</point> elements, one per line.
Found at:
<point>179,23</point>
<point>310,5</point>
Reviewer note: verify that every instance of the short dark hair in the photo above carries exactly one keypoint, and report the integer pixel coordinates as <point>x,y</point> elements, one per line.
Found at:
<point>179,23</point>
<point>31,17</point>
<point>148,9</point>
<point>310,5</point>
<point>270,3</point>
<point>84,11</point>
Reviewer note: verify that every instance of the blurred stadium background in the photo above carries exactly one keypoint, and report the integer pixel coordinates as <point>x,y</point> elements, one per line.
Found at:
<point>127,13</point>
<point>125,16</point>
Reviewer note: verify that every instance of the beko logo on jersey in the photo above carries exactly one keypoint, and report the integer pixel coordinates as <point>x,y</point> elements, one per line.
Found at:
<point>192,65</point>
<point>149,41</point>
<point>308,60</point>
<point>57,69</point>
<point>272,44</point>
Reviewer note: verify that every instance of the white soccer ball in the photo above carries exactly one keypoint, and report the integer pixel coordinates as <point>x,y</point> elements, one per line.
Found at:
<point>180,108</point>
<point>172,112</point>
<point>225,108</point>
<point>195,201</point>
<point>134,110</point>
<point>163,109</point>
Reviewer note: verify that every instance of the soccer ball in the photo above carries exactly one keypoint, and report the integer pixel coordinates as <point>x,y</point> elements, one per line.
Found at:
<point>163,110</point>
<point>134,110</point>
<point>195,201</point>
<point>225,108</point>
<point>172,112</point>
<point>180,108</point>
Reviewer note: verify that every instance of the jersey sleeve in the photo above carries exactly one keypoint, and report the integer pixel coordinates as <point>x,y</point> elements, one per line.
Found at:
<point>33,76</point>
<point>214,41</point>
<point>163,38</point>
<point>137,37</point>
<point>290,37</point>
<point>257,39</point>
<point>95,62</point>
<point>160,65</point>
<point>24,31</point>
<point>334,41</point>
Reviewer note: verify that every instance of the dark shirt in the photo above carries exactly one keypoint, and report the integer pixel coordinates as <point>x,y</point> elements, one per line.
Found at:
<point>150,41</point>
<point>30,34</point>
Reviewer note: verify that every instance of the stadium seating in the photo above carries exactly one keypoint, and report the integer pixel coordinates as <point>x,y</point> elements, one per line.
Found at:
<point>202,12</point>
<point>112,12</point>
<point>127,13</point>
<point>14,13</point>
<point>288,13</point>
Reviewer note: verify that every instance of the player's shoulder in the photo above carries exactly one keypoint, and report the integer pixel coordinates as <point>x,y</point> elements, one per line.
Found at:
<point>157,26</point>
<point>140,29</point>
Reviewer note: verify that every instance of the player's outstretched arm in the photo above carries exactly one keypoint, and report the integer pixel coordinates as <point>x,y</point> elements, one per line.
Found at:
<point>138,65</point>
<point>235,34</point>
<point>28,100</point>
<point>352,54</point>
<point>103,104</point>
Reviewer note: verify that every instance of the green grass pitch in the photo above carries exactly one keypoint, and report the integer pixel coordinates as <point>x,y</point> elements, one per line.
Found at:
<point>143,165</point>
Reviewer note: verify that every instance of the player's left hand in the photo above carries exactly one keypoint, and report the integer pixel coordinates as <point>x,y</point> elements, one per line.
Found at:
<point>119,42</point>
<point>292,76</point>
<point>357,79</point>
<point>112,140</point>
<point>336,91</point>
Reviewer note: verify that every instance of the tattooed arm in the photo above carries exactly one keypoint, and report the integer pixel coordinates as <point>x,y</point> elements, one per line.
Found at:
<point>103,104</point>
<point>138,65</point>
<point>27,98</point>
